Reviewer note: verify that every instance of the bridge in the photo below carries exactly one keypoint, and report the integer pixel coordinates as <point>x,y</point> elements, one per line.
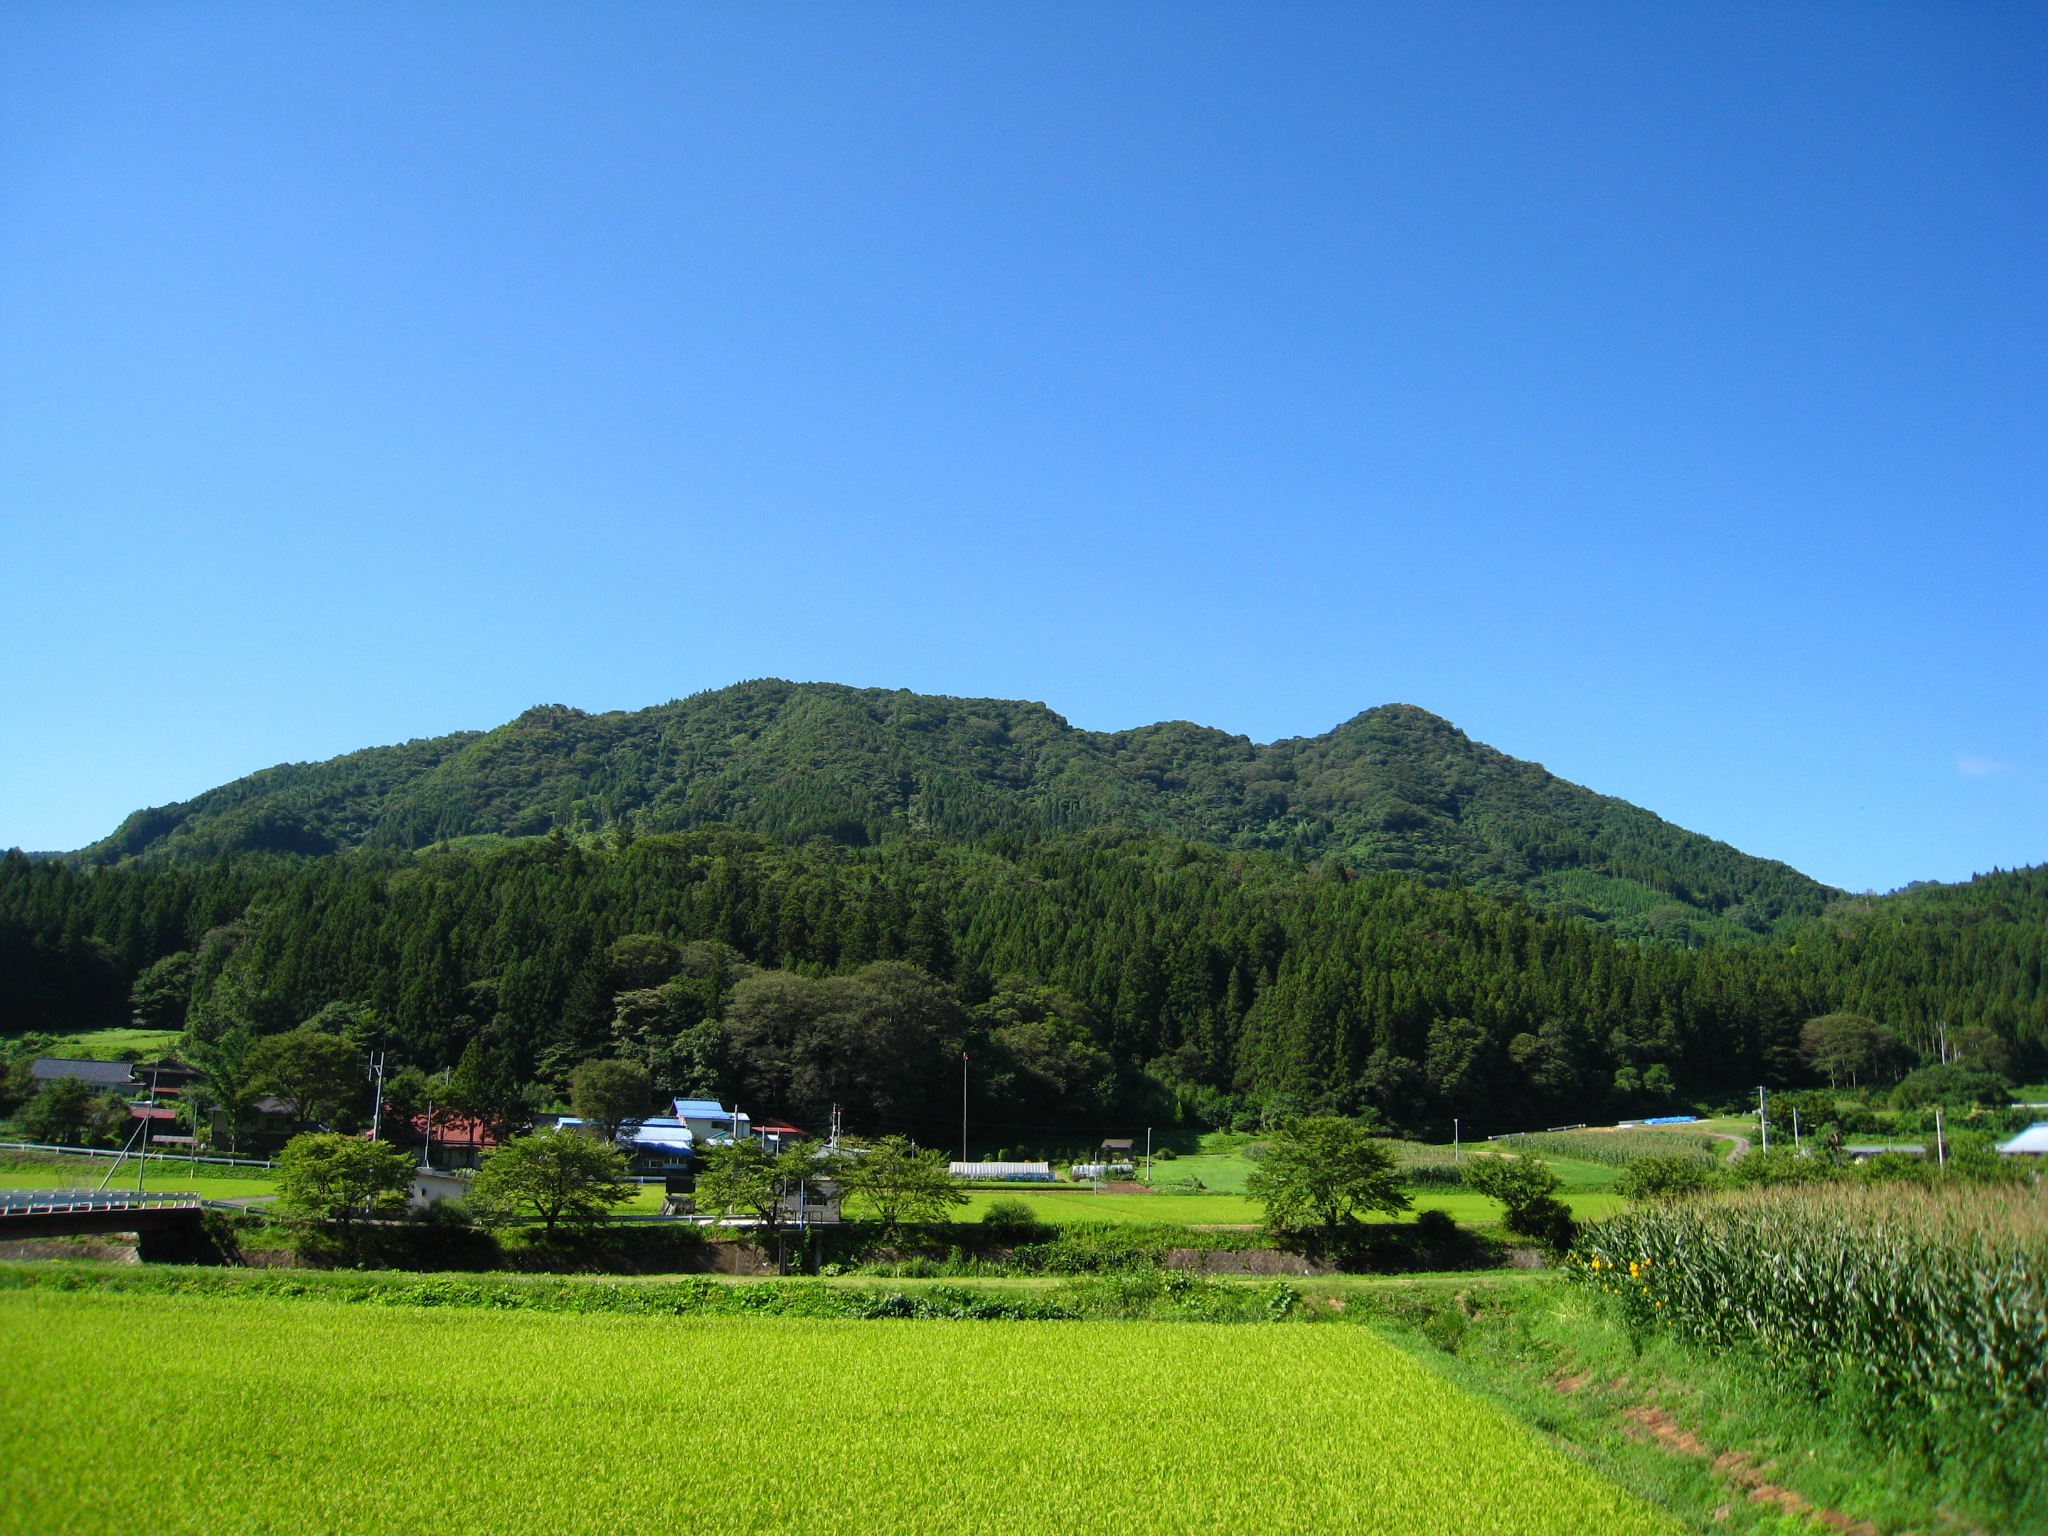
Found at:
<point>79,1212</point>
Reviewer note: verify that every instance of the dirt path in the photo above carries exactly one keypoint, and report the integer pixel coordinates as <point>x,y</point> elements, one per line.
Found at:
<point>1741,1143</point>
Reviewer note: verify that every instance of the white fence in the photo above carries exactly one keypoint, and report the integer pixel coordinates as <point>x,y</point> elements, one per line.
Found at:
<point>162,1157</point>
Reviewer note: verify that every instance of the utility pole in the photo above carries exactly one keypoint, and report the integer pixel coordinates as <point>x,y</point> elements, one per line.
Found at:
<point>148,1120</point>
<point>377,1103</point>
<point>963,1108</point>
<point>1940,1148</point>
<point>1457,1141</point>
<point>1148,1157</point>
<point>1798,1146</point>
<point>109,1179</point>
<point>1763,1119</point>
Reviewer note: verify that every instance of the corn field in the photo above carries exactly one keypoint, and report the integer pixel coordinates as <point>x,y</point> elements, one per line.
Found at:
<point>1917,1306</point>
<point>1618,1148</point>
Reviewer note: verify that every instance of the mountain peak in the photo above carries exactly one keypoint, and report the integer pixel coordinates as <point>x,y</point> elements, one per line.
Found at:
<point>1395,787</point>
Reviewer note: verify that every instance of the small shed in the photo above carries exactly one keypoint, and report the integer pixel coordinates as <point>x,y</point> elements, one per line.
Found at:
<point>2032,1142</point>
<point>1117,1151</point>
<point>432,1184</point>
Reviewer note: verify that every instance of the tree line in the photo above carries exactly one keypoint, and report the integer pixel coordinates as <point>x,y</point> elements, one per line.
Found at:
<point>1100,975</point>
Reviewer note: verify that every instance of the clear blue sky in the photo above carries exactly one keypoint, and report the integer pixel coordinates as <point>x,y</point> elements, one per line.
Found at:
<point>1655,391</point>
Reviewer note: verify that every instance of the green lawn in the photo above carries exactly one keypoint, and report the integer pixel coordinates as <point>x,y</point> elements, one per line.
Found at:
<point>375,1421</point>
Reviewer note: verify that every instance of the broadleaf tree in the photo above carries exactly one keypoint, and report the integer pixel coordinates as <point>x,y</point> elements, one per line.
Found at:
<point>331,1178</point>
<point>896,1181</point>
<point>555,1177</point>
<point>1325,1171</point>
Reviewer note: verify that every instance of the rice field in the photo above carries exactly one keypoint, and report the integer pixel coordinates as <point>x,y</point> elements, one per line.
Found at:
<point>286,1417</point>
<point>1064,1205</point>
<point>1057,1206</point>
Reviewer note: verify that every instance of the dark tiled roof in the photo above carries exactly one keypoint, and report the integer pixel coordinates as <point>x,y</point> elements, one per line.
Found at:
<point>102,1074</point>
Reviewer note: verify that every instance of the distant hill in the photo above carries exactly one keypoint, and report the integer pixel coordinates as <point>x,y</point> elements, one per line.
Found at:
<point>1395,788</point>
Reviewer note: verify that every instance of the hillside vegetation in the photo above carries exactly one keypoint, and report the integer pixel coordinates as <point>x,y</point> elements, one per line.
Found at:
<point>1393,789</point>
<point>1103,975</point>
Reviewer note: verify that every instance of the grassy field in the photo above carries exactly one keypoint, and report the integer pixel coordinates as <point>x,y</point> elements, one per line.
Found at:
<point>216,1181</point>
<point>358,1421</point>
<point>107,1044</point>
<point>1588,1189</point>
<point>171,1176</point>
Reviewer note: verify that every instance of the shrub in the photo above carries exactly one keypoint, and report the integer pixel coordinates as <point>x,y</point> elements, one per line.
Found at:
<point>1012,1220</point>
<point>1435,1226</point>
<point>1663,1177</point>
<point>1952,1083</point>
<point>1528,1188</point>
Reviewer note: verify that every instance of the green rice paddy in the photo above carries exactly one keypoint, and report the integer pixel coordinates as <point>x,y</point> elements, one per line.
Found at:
<point>1066,1205</point>
<point>1057,1206</point>
<point>349,1420</point>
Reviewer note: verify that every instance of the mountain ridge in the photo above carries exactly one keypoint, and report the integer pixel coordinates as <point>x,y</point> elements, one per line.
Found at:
<point>1393,788</point>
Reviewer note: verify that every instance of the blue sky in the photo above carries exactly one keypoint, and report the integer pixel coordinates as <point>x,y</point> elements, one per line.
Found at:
<point>1656,392</point>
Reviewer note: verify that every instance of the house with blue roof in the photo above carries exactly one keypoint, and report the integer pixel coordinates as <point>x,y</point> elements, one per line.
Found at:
<point>665,1144</point>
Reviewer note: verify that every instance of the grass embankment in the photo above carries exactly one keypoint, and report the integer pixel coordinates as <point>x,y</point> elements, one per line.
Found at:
<point>695,1296</point>
<point>358,1420</point>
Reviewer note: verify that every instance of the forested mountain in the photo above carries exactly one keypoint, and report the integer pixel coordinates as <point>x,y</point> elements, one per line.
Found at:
<point>1393,789</point>
<point>803,894</point>
<point>1106,973</point>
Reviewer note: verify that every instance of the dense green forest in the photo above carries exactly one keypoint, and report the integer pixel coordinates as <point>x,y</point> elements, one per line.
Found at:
<point>1096,974</point>
<point>1394,789</point>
